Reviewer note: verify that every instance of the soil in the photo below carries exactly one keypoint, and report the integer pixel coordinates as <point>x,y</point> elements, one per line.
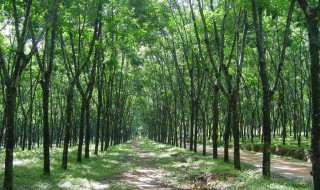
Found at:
<point>147,177</point>
<point>280,167</point>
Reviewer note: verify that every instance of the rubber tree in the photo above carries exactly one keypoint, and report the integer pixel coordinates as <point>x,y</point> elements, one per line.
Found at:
<point>45,65</point>
<point>73,80</point>
<point>12,70</point>
<point>312,17</point>
<point>267,92</point>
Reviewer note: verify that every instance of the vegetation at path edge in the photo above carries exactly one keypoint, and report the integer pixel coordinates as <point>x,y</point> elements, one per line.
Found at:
<point>182,167</point>
<point>178,72</point>
<point>93,173</point>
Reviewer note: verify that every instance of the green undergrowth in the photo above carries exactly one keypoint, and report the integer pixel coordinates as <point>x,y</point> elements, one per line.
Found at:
<point>97,172</point>
<point>289,150</point>
<point>181,169</point>
<point>290,144</point>
<point>202,172</point>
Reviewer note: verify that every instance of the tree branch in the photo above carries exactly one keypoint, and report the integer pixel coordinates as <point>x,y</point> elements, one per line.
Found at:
<point>284,46</point>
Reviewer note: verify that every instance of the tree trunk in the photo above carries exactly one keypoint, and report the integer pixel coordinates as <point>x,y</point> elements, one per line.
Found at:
<point>226,135</point>
<point>204,131</point>
<point>46,133</point>
<point>313,35</point>
<point>87,137</point>
<point>266,100</point>
<point>312,17</point>
<point>99,110</point>
<point>215,121</point>
<point>235,130</point>
<point>81,130</point>
<point>69,112</point>
<point>11,93</point>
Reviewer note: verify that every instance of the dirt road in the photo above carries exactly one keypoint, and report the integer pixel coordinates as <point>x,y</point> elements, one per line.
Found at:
<point>290,169</point>
<point>146,176</point>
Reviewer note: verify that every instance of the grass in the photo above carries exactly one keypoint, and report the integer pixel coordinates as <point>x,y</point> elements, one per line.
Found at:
<point>188,166</point>
<point>291,143</point>
<point>290,150</point>
<point>93,172</point>
<point>183,169</point>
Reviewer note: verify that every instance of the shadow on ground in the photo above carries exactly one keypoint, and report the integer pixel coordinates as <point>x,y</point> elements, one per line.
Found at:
<point>140,164</point>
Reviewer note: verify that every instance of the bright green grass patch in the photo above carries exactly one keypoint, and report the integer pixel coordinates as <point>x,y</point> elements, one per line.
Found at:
<point>291,143</point>
<point>93,173</point>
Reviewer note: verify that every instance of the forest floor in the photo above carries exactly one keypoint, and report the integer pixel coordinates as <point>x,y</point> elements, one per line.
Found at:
<point>149,176</point>
<point>146,176</point>
<point>144,164</point>
<point>290,169</point>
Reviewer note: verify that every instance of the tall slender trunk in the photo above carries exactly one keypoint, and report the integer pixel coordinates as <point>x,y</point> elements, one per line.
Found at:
<point>235,101</point>
<point>204,131</point>
<point>81,130</point>
<point>46,69</point>
<point>46,133</point>
<point>266,101</point>
<point>3,121</point>
<point>236,136</point>
<point>315,72</point>
<point>191,143</point>
<point>87,137</point>
<point>11,93</point>
<point>30,120</point>
<point>257,11</point>
<point>67,136</point>
<point>99,110</point>
<point>312,17</point>
<point>215,121</point>
<point>226,135</point>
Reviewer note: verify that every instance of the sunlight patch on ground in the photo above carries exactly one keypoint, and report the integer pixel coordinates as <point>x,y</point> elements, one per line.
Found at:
<point>277,186</point>
<point>160,146</point>
<point>145,178</point>
<point>164,155</point>
<point>114,162</point>
<point>172,149</point>
<point>169,154</point>
<point>18,162</point>
<point>81,184</point>
<point>115,154</point>
<point>152,154</point>
<point>42,186</point>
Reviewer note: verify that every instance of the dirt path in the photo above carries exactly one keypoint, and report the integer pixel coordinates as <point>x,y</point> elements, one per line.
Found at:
<point>289,169</point>
<point>145,177</point>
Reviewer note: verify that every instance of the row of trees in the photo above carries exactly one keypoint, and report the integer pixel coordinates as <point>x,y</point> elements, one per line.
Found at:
<point>68,71</point>
<point>177,71</point>
<point>235,69</point>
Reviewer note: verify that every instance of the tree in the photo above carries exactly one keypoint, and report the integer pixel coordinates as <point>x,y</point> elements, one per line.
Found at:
<point>45,66</point>
<point>257,11</point>
<point>12,76</point>
<point>74,80</point>
<point>312,18</point>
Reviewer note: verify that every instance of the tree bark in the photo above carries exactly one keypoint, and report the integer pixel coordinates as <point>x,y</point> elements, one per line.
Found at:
<point>46,93</point>
<point>266,103</point>
<point>81,130</point>
<point>11,93</point>
<point>67,135</point>
<point>215,121</point>
<point>312,17</point>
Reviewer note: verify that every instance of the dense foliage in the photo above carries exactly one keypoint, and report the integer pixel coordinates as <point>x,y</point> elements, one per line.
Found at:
<point>181,72</point>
